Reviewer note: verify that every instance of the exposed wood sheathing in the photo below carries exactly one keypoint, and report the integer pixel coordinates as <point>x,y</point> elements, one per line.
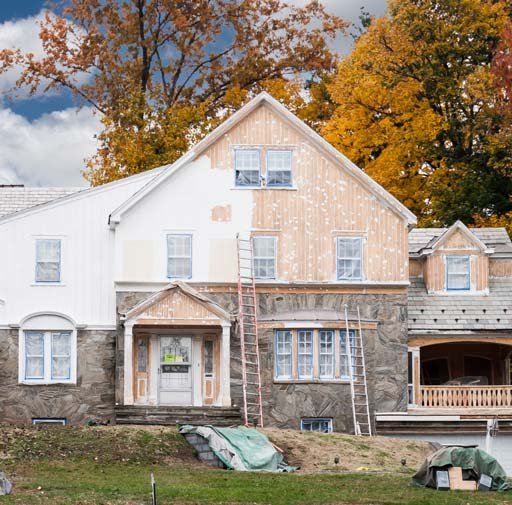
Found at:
<point>325,201</point>
<point>178,306</point>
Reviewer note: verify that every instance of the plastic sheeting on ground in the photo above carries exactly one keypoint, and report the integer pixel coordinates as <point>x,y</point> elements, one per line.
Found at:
<point>473,460</point>
<point>241,448</point>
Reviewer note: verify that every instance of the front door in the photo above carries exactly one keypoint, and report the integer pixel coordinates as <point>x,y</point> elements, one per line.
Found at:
<point>175,384</point>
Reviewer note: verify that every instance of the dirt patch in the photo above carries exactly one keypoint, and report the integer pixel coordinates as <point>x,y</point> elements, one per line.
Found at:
<point>316,452</point>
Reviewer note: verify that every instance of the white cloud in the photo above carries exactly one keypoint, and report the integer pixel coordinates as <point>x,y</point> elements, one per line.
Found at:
<point>49,150</point>
<point>24,34</point>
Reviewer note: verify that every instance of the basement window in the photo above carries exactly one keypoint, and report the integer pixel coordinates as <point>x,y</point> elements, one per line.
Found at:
<point>319,425</point>
<point>49,421</point>
<point>457,273</point>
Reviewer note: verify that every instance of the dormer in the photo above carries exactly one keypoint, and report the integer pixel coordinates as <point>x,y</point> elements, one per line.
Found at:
<point>455,261</point>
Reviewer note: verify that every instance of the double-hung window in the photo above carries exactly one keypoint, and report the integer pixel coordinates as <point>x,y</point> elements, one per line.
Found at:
<point>284,354</point>
<point>315,355</point>
<point>349,258</point>
<point>344,353</point>
<point>48,356</point>
<point>179,256</point>
<point>458,273</point>
<point>48,260</point>
<point>305,354</point>
<point>279,168</point>
<point>247,167</point>
<point>326,354</point>
<point>264,257</point>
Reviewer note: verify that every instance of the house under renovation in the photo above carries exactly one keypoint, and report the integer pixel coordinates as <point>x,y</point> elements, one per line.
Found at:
<point>261,278</point>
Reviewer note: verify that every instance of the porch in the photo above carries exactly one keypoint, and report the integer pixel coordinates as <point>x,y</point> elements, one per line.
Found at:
<point>176,358</point>
<point>467,377</point>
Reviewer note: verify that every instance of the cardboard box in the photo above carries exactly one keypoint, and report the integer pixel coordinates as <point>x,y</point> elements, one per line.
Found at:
<point>457,482</point>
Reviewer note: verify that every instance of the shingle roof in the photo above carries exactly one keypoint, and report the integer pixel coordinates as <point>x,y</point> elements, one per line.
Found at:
<point>460,312</point>
<point>15,199</point>
<point>496,238</point>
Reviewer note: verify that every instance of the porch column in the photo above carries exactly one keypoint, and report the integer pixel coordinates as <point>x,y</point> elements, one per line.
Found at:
<point>128,364</point>
<point>416,376</point>
<point>225,366</point>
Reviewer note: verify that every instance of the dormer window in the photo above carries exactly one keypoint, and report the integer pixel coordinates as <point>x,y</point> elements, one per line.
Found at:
<point>458,273</point>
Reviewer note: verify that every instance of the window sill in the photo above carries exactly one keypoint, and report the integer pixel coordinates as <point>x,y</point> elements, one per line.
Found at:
<point>47,383</point>
<point>265,188</point>
<point>311,381</point>
<point>48,284</point>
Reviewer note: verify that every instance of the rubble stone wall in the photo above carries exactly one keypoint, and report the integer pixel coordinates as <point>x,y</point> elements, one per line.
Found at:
<point>92,397</point>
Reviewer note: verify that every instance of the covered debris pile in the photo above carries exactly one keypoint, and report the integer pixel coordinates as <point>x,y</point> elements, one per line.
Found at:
<point>240,448</point>
<point>473,463</point>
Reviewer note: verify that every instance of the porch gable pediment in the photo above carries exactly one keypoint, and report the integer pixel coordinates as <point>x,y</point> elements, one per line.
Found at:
<point>178,303</point>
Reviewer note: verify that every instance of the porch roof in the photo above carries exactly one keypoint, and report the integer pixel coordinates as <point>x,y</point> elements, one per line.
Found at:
<point>445,313</point>
<point>177,302</point>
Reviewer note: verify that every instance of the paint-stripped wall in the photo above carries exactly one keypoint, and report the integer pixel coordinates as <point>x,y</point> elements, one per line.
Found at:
<point>325,202</point>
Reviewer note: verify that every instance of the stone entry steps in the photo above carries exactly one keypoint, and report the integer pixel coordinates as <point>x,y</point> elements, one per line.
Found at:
<point>170,416</point>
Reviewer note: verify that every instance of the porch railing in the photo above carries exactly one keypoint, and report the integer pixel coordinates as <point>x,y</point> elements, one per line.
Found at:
<point>465,396</point>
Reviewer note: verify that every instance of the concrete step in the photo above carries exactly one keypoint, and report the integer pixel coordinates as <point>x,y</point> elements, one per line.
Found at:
<point>170,415</point>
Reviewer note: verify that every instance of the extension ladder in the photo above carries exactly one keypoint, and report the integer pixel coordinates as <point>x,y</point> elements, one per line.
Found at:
<point>357,374</point>
<point>248,326</point>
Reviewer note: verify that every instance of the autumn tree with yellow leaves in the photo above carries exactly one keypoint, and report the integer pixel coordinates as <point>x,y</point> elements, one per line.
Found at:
<point>162,73</point>
<point>419,109</point>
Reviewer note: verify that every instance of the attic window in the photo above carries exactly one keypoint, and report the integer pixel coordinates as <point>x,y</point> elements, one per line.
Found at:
<point>247,167</point>
<point>457,273</point>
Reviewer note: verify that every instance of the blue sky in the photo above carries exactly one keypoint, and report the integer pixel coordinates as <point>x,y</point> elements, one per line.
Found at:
<point>45,139</point>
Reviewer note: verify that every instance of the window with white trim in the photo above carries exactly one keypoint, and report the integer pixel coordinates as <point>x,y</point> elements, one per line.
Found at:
<point>349,258</point>
<point>48,356</point>
<point>264,257</point>
<point>247,167</point>
<point>319,425</point>
<point>305,354</point>
<point>48,260</point>
<point>314,355</point>
<point>279,168</point>
<point>49,421</point>
<point>458,273</point>
<point>179,256</point>
<point>326,354</point>
<point>344,361</point>
<point>284,354</point>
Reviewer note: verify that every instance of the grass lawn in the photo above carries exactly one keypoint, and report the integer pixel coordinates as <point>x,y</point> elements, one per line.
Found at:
<point>70,466</point>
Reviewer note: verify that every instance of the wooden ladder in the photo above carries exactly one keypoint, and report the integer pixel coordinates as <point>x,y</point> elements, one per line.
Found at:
<point>357,375</point>
<point>248,323</point>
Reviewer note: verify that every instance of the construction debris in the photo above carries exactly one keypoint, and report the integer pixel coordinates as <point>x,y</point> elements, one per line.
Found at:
<point>5,485</point>
<point>465,467</point>
<point>240,448</point>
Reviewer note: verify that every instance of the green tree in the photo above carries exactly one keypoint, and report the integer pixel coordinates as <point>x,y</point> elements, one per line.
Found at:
<point>417,108</point>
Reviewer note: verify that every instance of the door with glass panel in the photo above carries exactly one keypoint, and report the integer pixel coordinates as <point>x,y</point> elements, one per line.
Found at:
<point>175,370</point>
<point>210,369</point>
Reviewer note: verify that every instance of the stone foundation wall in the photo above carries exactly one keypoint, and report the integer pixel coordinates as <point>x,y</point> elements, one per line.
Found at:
<point>286,404</point>
<point>92,397</point>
